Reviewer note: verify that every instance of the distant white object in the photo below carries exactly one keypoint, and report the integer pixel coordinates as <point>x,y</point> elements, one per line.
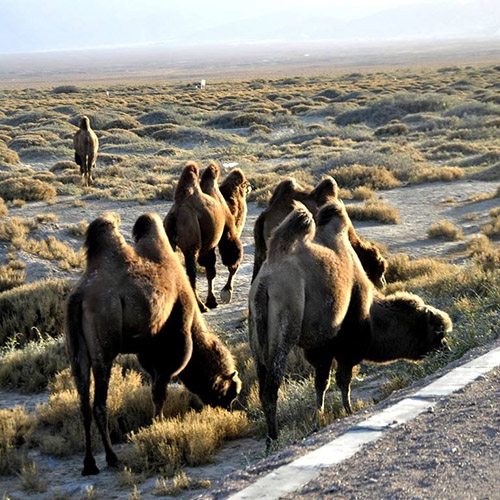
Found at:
<point>107,93</point>
<point>230,165</point>
<point>203,83</point>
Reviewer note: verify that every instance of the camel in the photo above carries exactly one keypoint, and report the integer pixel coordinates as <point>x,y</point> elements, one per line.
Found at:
<point>281,204</point>
<point>235,189</point>
<point>139,300</point>
<point>86,145</point>
<point>328,309</point>
<point>198,222</point>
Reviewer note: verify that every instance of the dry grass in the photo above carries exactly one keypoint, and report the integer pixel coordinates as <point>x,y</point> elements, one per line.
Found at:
<point>444,229</point>
<point>355,176</point>
<point>33,307</point>
<point>179,483</point>
<point>14,228</point>
<point>3,209</point>
<point>11,275</point>
<point>31,478</point>
<point>16,429</point>
<point>45,218</point>
<point>79,229</point>
<point>374,210</point>
<point>26,188</point>
<point>492,227</point>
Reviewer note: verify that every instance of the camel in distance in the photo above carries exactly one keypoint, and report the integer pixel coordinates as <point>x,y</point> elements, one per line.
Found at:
<point>86,145</point>
<point>139,300</point>
<point>281,204</point>
<point>199,221</point>
<point>328,309</point>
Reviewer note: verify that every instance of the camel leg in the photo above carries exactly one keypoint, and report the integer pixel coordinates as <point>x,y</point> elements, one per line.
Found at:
<point>190,259</point>
<point>343,377</point>
<point>159,393</point>
<point>231,252</point>
<point>208,262</point>
<point>81,372</point>
<point>269,396</point>
<point>322,360</point>
<point>102,374</point>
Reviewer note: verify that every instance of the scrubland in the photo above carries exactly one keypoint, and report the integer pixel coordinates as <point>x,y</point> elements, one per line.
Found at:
<point>372,131</point>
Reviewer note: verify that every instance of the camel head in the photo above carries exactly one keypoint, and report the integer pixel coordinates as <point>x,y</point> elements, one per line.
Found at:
<point>84,122</point>
<point>438,326</point>
<point>226,389</point>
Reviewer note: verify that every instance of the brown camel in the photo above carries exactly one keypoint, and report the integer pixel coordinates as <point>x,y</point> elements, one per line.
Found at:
<point>235,189</point>
<point>86,144</point>
<point>198,221</point>
<point>328,309</point>
<point>281,204</point>
<point>139,301</point>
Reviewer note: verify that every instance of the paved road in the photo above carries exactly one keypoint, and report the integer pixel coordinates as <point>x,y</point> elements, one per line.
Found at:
<point>451,450</point>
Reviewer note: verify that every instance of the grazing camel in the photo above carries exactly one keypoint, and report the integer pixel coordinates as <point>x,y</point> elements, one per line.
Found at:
<point>402,327</point>
<point>200,220</point>
<point>328,309</point>
<point>139,300</point>
<point>86,144</point>
<point>281,204</point>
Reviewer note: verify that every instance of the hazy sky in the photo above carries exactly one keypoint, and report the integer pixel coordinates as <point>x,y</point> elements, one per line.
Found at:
<point>31,25</point>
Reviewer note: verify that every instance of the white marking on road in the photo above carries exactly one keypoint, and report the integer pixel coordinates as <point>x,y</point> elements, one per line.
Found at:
<point>292,476</point>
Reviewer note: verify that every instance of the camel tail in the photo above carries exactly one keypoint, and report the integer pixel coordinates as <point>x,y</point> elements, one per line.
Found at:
<point>260,246</point>
<point>297,226</point>
<point>76,345</point>
<point>170,224</point>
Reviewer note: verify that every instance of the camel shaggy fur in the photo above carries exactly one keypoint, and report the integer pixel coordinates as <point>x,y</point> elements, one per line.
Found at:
<point>235,189</point>
<point>281,204</point>
<point>329,309</point>
<point>86,145</point>
<point>139,300</point>
<point>198,222</point>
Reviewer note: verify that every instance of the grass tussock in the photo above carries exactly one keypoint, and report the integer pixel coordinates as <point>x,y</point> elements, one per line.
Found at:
<point>26,188</point>
<point>492,227</point>
<point>4,211</point>
<point>354,176</point>
<point>14,228</point>
<point>31,308</point>
<point>178,484</point>
<point>189,440</point>
<point>11,275</point>
<point>16,429</point>
<point>446,230</point>
<point>374,211</point>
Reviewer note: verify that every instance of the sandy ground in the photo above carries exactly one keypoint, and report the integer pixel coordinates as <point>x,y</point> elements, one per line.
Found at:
<point>419,206</point>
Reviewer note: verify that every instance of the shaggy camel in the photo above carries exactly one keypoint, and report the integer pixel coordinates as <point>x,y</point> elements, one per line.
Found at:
<point>198,221</point>
<point>139,301</point>
<point>328,309</point>
<point>86,144</point>
<point>235,189</point>
<point>281,204</point>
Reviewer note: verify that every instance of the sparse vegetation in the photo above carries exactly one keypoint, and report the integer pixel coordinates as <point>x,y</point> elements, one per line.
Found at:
<point>444,229</point>
<point>374,210</point>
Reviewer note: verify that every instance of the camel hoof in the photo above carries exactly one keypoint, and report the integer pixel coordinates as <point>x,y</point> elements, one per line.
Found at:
<point>225,295</point>
<point>112,461</point>
<point>211,303</point>
<point>203,307</point>
<point>90,468</point>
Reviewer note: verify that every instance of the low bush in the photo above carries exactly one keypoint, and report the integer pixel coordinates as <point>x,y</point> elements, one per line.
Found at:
<point>374,210</point>
<point>26,188</point>
<point>444,229</point>
<point>3,209</point>
<point>492,227</point>
<point>354,176</point>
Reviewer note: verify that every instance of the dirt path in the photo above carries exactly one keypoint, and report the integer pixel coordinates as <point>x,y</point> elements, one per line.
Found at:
<point>419,206</point>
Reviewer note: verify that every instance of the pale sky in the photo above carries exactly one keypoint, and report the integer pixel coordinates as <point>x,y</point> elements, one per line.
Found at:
<point>37,25</point>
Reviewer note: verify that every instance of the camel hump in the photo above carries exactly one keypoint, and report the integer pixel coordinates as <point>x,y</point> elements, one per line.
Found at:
<point>150,239</point>
<point>99,232</point>
<point>232,182</point>
<point>297,226</point>
<point>285,190</point>
<point>325,190</point>
<point>209,178</point>
<point>85,123</point>
<point>188,181</point>
<point>147,226</point>
<point>332,213</point>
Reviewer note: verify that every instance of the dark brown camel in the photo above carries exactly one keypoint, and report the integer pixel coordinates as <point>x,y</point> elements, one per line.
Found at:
<point>86,145</point>
<point>200,221</point>
<point>139,301</point>
<point>281,204</point>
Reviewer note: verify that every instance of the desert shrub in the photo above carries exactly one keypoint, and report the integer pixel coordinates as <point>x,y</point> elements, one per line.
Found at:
<point>483,159</point>
<point>180,482</point>
<point>354,176</point>
<point>27,141</point>
<point>360,193</point>
<point>157,117</point>
<point>31,367</point>
<point>11,275</point>
<point>374,210</point>
<point>14,228</point>
<point>474,108</point>
<point>26,188</point>
<point>123,122</point>
<point>492,227</point>
<point>393,128</point>
<point>485,253</point>
<point>66,89</point>
<point>16,428</point>
<point>435,174</point>
<point>79,229</point>
<point>44,218</point>
<point>7,156</point>
<point>402,268</point>
<point>3,209</point>
<point>37,305</point>
<point>236,120</point>
<point>31,478</point>
<point>63,165</point>
<point>188,440</point>
<point>444,229</point>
